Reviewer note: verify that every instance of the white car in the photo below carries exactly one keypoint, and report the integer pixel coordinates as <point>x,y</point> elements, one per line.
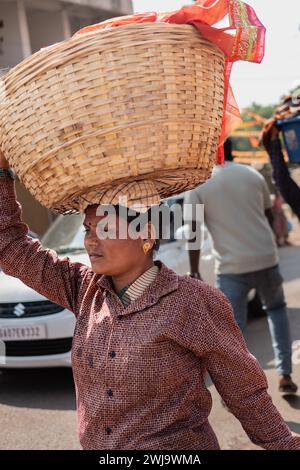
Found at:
<point>38,333</point>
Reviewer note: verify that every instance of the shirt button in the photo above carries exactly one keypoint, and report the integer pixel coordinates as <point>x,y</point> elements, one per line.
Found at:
<point>108,430</point>
<point>110,392</point>
<point>112,354</point>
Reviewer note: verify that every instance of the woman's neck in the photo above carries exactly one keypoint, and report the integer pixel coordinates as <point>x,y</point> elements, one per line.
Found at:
<point>123,280</point>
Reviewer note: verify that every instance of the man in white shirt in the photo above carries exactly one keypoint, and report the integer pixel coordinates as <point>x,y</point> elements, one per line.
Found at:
<point>237,211</point>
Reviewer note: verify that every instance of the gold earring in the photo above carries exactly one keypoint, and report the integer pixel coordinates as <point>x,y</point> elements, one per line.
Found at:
<point>146,247</point>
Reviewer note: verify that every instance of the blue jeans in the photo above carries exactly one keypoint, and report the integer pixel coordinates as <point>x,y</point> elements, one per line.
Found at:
<point>269,286</point>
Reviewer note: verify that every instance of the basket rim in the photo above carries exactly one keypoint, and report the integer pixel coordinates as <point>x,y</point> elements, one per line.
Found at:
<point>48,58</point>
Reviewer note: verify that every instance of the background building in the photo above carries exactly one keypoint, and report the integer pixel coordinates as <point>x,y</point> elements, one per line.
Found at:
<point>28,25</point>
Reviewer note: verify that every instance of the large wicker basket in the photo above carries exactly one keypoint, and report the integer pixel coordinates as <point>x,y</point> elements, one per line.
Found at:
<point>142,102</point>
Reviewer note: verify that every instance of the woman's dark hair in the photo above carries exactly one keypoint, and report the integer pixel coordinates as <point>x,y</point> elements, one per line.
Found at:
<point>153,216</point>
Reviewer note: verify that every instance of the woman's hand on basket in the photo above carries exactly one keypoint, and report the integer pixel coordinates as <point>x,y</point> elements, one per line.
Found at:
<point>3,162</point>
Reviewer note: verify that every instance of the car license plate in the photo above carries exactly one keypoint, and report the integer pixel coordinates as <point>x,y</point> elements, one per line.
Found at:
<point>21,333</point>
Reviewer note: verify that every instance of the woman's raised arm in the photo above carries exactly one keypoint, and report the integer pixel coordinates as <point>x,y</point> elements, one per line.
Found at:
<point>22,257</point>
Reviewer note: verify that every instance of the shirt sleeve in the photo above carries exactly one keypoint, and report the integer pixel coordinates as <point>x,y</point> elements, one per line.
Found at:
<point>22,257</point>
<point>217,340</point>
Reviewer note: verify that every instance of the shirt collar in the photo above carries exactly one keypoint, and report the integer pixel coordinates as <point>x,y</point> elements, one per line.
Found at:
<point>134,290</point>
<point>165,282</point>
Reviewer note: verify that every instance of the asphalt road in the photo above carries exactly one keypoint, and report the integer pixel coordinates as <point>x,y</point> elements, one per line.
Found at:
<point>37,410</point>
<point>37,407</point>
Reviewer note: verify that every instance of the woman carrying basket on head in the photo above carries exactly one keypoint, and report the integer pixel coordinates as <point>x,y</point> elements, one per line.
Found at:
<point>143,340</point>
<point>144,336</point>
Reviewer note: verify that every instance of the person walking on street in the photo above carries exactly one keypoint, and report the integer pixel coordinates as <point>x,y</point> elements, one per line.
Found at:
<point>238,215</point>
<point>280,222</point>
<point>288,188</point>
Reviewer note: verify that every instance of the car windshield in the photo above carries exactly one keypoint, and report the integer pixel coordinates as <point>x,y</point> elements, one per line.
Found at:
<point>66,234</point>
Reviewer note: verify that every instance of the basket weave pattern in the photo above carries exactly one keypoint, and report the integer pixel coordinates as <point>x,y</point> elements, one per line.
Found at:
<point>138,102</point>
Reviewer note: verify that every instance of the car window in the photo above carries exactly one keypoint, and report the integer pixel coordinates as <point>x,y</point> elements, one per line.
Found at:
<point>65,234</point>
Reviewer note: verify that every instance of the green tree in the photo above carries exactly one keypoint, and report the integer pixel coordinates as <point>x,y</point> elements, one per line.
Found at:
<point>265,111</point>
<point>243,144</point>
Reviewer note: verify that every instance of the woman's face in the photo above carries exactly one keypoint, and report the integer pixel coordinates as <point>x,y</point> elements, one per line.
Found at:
<point>109,254</point>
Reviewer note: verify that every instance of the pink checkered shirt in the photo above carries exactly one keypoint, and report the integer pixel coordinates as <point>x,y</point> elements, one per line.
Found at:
<point>139,370</point>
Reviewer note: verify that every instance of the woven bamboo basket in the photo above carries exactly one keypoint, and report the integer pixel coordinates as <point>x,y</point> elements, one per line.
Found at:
<point>138,103</point>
